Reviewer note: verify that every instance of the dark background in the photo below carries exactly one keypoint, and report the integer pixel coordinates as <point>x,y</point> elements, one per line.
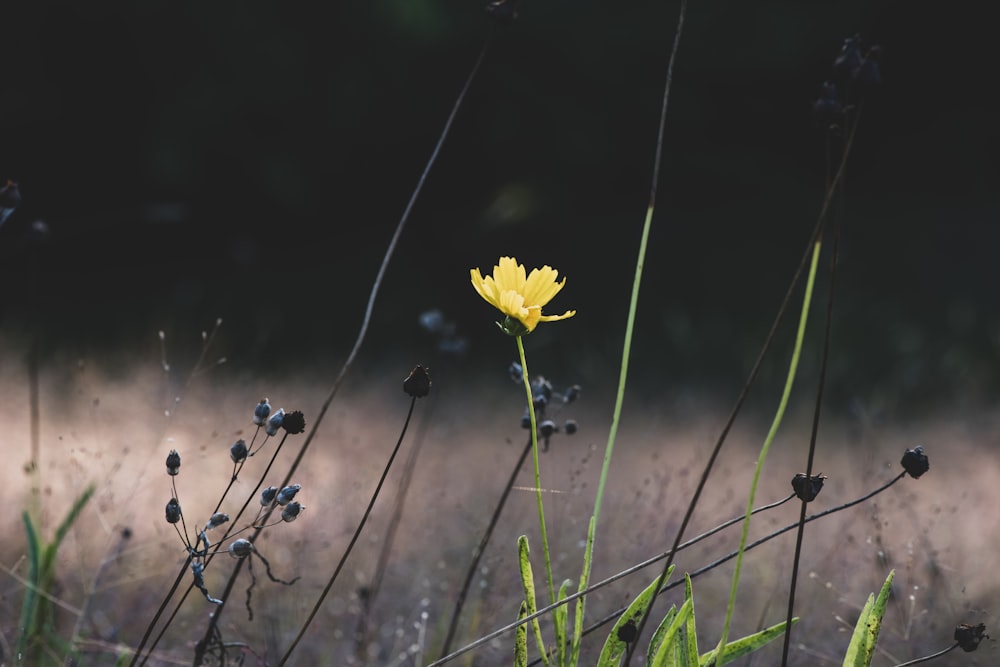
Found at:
<point>250,160</point>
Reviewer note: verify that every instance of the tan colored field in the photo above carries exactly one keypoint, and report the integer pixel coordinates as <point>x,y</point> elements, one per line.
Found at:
<point>106,423</point>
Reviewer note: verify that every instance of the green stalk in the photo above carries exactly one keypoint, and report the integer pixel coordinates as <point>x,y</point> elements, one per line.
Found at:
<point>613,432</point>
<point>538,479</point>
<point>779,415</point>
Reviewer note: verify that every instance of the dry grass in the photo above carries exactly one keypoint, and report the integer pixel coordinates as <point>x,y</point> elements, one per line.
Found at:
<point>104,421</point>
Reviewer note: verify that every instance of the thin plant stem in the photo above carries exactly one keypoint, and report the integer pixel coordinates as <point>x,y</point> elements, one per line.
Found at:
<point>399,503</point>
<point>481,548</point>
<point>928,658</point>
<point>814,434</point>
<point>775,424</point>
<point>350,546</point>
<point>538,479</point>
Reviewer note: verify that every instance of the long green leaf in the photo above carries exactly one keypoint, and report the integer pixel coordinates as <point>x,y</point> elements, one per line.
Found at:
<point>862,647</point>
<point>29,606</point>
<point>528,583</point>
<point>689,635</point>
<point>660,633</point>
<point>671,650</point>
<point>560,616</point>
<point>743,646</point>
<point>521,639</point>
<point>615,645</point>
<point>855,650</point>
<point>582,600</point>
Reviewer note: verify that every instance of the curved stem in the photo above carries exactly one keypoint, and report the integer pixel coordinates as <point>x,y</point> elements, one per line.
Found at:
<point>778,417</point>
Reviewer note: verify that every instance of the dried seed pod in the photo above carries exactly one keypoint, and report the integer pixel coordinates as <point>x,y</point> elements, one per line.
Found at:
<point>515,371</point>
<point>10,198</point>
<point>827,109</point>
<point>418,383</point>
<point>173,462</point>
<point>241,548</point>
<point>267,495</point>
<point>274,422</point>
<point>287,493</point>
<point>547,428</point>
<point>849,58</point>
<point>294,422</point>
<point>291,511</point>
<point>217,520</point>
<point>572,393</point>
<point>261,412</point>
<point>969,636</point>
<point>238,452</point>
<point>570,426</point>
<point>915,462</point>
<point>173,511</point>
<point>807,488</point>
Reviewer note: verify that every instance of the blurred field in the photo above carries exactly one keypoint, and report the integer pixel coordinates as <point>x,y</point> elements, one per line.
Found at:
<point>105,421</point>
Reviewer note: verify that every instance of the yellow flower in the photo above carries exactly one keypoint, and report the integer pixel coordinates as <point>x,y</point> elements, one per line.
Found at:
<point>520,297</point>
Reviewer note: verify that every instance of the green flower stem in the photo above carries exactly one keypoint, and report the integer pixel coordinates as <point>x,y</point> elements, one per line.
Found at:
<point>779,415</point>
<point>538,480</point>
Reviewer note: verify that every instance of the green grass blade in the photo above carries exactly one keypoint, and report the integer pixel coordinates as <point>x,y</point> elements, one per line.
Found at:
<point>560,616</point>
<point>521,639</point>
<point>29,607</point>
<point>745,645</point>
<point>671,650</point>
<point>661,631</point>
<point>856,649</point>
<point>689,635</point>
<point>862,647</point>
<point>614,646</point>
<point>71,517</point>
<point>582,600</point>
<point>875,618</point>
<point>528,583</point>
